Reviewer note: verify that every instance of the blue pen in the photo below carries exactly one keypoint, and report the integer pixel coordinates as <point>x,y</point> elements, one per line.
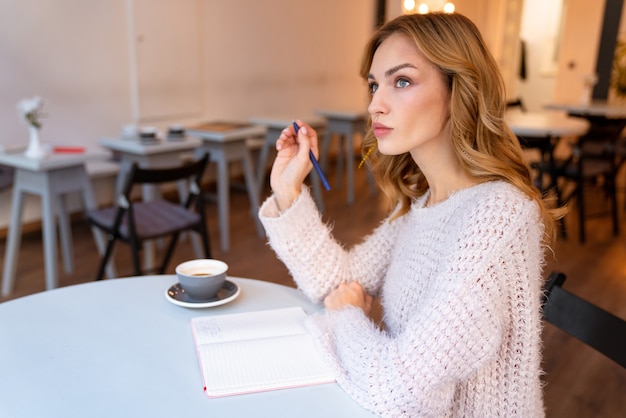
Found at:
<point>314,161</point>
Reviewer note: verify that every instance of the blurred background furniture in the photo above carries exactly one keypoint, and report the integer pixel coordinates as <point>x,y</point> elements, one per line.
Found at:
<point>157,153</point>
<point>516,103</point>
<point>595,159</point>
<point>542,131</point>
<point>274,126</point>
<point>226,142</point>
<point>51,178</point>
<point>6,176</point>
<point>344,124</point>
<point>583,320</point>
<point>136,222</point>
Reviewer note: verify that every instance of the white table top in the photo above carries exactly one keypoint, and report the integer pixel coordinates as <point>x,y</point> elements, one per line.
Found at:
<point>281,122</point>
<point>118,348</point>
<point>343,114</point>
<point>595,108</point>
<point>53,160</point>
<point>135,146</point>
<point>541,124</point>
<point>226,131</point>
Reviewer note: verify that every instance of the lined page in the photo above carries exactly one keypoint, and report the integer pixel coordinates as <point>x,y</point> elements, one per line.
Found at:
<point>257,351</point>
<point>249,325</point>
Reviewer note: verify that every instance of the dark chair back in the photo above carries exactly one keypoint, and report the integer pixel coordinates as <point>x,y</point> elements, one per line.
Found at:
<point>136,222</point>
<point>516,103</point>
<point>585,321</point>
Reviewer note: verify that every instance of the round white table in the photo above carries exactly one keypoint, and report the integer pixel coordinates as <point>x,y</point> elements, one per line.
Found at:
<point>118,348</point>
<point>545,124</point>
<point>594,108</point>
<point>542,131</point>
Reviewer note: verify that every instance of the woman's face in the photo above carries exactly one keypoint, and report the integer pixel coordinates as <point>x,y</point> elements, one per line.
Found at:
<point>409,100</point>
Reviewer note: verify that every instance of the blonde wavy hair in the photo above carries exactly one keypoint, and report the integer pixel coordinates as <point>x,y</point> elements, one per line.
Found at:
<point>482,141</point>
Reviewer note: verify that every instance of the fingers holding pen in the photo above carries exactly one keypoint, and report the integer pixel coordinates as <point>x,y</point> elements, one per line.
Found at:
<point>305,137</point>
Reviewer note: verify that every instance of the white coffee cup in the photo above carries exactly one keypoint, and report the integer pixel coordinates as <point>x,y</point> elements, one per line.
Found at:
<point>201,279</point>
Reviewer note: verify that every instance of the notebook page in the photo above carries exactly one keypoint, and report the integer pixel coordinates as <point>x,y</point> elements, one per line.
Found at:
<point>248,325</point>
<point>238,367</point>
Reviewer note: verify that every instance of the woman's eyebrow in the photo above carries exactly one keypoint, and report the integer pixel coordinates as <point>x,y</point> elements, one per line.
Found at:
<point>393,70</point>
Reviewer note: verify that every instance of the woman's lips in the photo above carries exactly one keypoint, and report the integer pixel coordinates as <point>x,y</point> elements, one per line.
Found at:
<point>380,130</point>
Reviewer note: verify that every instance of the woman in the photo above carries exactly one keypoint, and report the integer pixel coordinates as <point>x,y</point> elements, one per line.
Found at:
<point>458,263</point>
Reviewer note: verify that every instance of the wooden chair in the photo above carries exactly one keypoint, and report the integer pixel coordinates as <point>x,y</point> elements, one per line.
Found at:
<point>136,222</point>
<point>583,320</point>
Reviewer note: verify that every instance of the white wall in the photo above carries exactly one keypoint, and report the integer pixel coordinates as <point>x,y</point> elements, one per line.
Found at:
<point>256,58</point>
<point>74,53</point>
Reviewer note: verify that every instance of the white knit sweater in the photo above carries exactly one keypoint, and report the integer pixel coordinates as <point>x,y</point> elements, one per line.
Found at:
<point>460,286</point>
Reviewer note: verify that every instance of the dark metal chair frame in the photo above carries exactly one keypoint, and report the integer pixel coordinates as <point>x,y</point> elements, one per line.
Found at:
<point>594,326</point>
<point>136,222</point>
<point>593,160</point>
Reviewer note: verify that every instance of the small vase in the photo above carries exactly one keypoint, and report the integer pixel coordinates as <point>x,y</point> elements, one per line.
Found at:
<point>585,97</point>
<point>34,150</point>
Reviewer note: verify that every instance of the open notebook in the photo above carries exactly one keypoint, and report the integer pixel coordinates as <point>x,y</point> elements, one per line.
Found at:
<point>257,351</point>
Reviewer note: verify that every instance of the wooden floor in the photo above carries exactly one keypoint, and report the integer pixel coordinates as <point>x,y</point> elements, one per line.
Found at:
<point>578,382</point>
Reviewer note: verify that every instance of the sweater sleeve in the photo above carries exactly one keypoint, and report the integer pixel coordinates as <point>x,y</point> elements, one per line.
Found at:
<point>447,338</point>
<point>317,262</point>
<point>414,373</point>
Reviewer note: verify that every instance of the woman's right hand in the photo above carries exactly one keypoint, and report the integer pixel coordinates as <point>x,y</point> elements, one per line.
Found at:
<point>292,163</point>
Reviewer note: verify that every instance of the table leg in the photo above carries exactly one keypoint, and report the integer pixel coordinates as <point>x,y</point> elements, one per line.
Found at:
<point>252,191</point>
<point>328,135</point>
<point>89,201</point>
<point>223,186</point>
<point>49,239</point>
<point>270,139</point>
<point>125,166</point>
<point>66,234</point>
<point>14,239</point>
<point>350,165</point>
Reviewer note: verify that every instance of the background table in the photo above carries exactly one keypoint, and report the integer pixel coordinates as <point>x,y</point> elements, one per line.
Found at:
<point>543,130</point>
<point>346,124</point>
<point>52,178</point>
<point>226,141</point>
<point>160,154</point>
<point>607,121</point>
<point>594,108</point>
<point>118,348</point>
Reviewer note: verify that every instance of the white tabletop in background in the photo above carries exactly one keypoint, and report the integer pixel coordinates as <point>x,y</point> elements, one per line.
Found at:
<point>135,146</point>
<point>595,108</point>
<point>229,131</point>
<point>53,160</point>
<point>539,124</point>
<point>118,348</point>
<point>281,122</point>
<point>343,114</point>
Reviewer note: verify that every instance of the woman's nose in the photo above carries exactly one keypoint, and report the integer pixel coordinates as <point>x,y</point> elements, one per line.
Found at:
<point>377,103</point>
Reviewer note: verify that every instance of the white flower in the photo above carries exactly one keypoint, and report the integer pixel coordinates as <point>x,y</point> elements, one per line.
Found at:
<point>31,111</point>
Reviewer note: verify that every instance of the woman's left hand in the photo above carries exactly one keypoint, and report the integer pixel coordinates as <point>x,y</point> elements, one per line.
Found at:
<point>349,294</point>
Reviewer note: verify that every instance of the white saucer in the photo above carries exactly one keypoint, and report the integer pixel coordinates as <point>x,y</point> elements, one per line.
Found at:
<point>227,293</point>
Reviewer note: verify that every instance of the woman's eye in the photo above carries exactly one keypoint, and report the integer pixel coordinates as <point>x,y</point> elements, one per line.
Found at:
<point>372,87</point>
<point>402,82</point>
